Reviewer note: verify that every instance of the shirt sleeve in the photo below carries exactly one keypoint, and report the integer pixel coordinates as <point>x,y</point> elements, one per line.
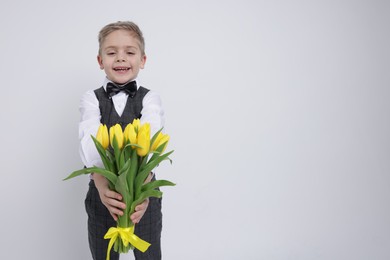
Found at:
<point>89,124</point>
<point>152,112</point>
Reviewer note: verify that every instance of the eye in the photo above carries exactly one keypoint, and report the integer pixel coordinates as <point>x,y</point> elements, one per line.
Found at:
<point>110,53</point>
<point>130,53</point>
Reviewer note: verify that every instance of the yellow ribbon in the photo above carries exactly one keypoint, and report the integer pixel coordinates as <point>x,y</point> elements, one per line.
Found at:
<point>127,235</point>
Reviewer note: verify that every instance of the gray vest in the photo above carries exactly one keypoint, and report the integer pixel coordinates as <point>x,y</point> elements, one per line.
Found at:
<point>132,109</point>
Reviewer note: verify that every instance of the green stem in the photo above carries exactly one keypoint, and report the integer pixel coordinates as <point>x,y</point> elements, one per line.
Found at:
<point>131,177</point>
<point>123,221</point>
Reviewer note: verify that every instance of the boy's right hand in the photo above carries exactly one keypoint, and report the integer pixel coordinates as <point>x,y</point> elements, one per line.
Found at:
<point>111,199</point>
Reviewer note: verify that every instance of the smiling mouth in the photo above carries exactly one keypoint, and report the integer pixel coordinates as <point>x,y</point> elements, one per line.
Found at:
<point>121,69</point>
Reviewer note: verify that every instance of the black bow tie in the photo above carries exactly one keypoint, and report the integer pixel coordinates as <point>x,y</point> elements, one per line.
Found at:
<point>130,88</point>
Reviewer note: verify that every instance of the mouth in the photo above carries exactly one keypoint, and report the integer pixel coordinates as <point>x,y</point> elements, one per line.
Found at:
<point>121,69</point>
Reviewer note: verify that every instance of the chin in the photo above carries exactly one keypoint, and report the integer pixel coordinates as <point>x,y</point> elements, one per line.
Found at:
<point>121,81</point>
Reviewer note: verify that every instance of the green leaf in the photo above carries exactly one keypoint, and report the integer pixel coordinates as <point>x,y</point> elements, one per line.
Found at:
<point>157,152</point>
<point>140,179</point>
<point>153,163</point>
<point>132,172</point>
<point>110,155</point>
<point>156,184</point>
<point>126,151</point>
<point>158,149</point>
<point>116,245</point>
<point>111,158</point>
<point>77,173</point>
<point>121,160</point>
<point>143,160</point>
<point>111,177</point>
<point>125,168</point>
<point>122,188</point>
<point>154,137</point>
<point>143,196</point>
<point>102,152</point>
<point>135,145</point>
<point>117,153</point>
<point>156,156</point>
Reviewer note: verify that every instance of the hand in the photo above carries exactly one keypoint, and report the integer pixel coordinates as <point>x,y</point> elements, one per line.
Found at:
<point>111,199</point>
<point>141,208</point>
<point>139,211</point>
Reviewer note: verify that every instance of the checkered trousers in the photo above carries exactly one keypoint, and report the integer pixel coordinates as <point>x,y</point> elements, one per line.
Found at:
<point>100,220</point>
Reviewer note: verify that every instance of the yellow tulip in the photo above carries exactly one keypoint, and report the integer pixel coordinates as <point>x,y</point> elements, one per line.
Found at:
<point>130,134</point>
<point>143,139</point>
<point>136,123</point>
<point>125,134</point>
<point>102,136</point>
<point>116,131</point>
<point>160,140</point>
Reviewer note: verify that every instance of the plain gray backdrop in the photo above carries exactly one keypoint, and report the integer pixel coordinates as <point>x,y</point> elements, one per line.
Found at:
<point>278,113</point>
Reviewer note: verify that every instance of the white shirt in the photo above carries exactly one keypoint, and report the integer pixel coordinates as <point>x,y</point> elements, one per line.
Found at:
<point>152,112</point>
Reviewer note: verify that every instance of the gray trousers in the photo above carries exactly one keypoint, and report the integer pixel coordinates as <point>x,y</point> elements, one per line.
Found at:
<point>100,220</point>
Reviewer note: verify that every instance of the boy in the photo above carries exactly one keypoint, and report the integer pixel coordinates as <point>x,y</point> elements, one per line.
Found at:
<point>120,100</point>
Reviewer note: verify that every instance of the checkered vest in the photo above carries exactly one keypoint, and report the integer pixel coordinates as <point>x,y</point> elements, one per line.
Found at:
<point>132,110</point>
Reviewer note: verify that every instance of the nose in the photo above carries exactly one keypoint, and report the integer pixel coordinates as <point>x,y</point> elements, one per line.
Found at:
<point>120,57</point>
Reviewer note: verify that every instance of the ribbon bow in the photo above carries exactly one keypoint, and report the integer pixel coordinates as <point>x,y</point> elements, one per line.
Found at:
<point>127,235</point>
<point>130,88</point>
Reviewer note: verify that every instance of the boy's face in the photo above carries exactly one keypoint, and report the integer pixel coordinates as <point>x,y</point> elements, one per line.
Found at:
<point>121,57</point>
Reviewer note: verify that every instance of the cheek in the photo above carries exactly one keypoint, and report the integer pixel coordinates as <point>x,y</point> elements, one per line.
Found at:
<point>107,63</point>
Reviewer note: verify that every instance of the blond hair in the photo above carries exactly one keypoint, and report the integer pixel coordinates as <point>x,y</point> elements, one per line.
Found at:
<point>122,25</point>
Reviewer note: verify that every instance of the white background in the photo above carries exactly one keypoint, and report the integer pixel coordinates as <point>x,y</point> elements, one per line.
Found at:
<point>278,112</point>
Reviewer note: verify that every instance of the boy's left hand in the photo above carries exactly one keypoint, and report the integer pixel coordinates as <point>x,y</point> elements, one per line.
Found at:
<point>141,208</point>
<point>139,211</point>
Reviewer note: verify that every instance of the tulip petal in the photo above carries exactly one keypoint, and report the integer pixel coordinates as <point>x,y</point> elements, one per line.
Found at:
<point>143,140</point>
<point>136,124</point>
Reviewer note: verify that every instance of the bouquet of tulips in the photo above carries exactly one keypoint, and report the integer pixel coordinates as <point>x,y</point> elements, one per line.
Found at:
<point>128,157</point>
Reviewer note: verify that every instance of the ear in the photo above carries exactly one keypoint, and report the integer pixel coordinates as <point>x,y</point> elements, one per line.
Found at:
<point>143,61</point>
<point>100,61</point>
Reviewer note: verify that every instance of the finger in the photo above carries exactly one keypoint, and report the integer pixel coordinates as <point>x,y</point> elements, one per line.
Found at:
<point>114,206</point>
<point>143,205</point>
<point>114,216</point>
<point>113,195</point>
<point>136,216</point>
<point>115,211</point>
<point>116,203</point>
